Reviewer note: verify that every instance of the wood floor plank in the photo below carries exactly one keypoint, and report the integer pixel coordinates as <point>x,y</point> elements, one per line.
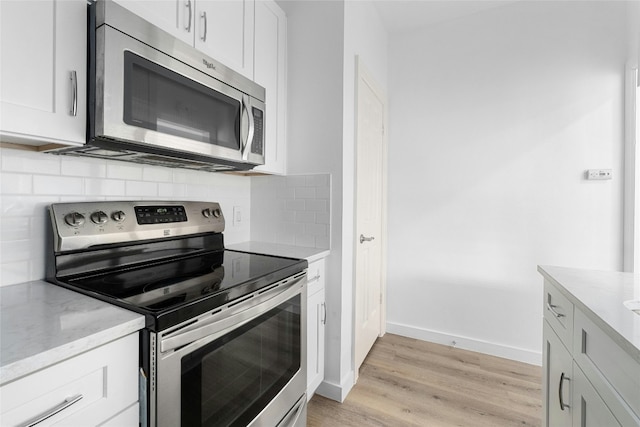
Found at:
<point>407,382</point>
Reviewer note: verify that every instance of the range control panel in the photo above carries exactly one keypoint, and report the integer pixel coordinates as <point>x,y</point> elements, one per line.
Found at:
<point>82,225</point>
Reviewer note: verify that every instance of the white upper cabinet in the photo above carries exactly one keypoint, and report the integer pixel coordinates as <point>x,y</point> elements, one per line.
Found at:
<point>270,72</point>
<point>224,31</point>
<point>176,17</point>
<point>43,71</point>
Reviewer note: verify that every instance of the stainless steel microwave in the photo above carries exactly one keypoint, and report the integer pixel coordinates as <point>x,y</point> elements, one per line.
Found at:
<point>157,100</point>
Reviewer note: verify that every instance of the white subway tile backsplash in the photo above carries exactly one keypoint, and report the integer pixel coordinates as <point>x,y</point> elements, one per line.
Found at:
<point>74,166</point>
<point>104,187</point>
<point>25,206</point>
<point>30,162</point>
<point>305,193</point>
<point>302,216</point>
<point>296,181</point>
<point>14,228</point>
<point>32,181</point>
<point>16,183</point>
<point>157,174</point>
<point>15,250</point>
<point>14,272</point>
<point>323,193</point>
<point>318,230</point>
<point>60,185</point>
<point>305,240</point>
<point>296,207</point>
<point>141,189</point>
<point>322,218</point>
<point>122,170</point>
<point>169,190</point>
<point>286,192</point>
<point>316,205</point>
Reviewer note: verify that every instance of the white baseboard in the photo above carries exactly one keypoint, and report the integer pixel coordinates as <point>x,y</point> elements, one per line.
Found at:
<point>337,392</point>
<point>507,352</point>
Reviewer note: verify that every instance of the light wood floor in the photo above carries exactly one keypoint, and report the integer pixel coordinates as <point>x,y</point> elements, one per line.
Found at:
<point>407,382</point>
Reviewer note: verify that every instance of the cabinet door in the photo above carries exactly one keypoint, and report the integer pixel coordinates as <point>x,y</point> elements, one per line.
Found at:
<point>176,17</point>
<point>557,380</point>
<point>43,71</point>
<point>270,72</point>
<point>588,407</point>
<point>316,320</point>
<point>224,31</point>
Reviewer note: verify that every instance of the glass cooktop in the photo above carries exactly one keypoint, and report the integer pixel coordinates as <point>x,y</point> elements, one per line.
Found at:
<point>172,291</point>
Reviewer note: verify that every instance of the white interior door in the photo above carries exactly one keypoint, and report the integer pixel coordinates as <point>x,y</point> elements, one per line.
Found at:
<point>370,186</point>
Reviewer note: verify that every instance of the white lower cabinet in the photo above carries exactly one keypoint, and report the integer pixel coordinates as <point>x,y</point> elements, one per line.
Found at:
<point>588,379</point>
<point>316,322</point>
<point>98,387</point>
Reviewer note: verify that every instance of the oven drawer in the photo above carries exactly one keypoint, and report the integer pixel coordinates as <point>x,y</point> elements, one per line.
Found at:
<point>88,389</point>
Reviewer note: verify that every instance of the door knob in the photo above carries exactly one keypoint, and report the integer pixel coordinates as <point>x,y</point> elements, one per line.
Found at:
<point>365,239</point>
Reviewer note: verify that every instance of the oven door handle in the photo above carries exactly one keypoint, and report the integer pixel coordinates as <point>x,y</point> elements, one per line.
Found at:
<point>234,315</point>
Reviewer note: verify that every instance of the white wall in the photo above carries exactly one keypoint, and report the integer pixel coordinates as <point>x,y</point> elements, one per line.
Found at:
<point>31,181</point>
<point>494,119</point>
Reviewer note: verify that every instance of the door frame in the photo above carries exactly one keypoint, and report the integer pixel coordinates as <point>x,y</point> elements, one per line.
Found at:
<point>363,76</point>
<point>631,226</point>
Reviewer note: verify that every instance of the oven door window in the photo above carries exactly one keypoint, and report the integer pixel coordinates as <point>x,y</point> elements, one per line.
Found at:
<point>231,380</point>
<point>161,100</point>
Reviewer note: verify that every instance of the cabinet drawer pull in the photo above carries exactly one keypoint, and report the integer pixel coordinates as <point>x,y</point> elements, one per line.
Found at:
<point>563,405</point>
<point>314,278</point>
<point>74,93</point>
<point>551,307</point>
<point>53,411</point>
<point>324,313</point>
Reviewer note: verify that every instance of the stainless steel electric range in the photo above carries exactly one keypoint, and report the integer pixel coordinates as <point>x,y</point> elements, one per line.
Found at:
<point>225,336</point>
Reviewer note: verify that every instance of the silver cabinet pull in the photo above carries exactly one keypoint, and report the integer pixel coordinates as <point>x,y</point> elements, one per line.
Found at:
<point>53,411</point>
<point>324,313</point>
<point>74,93</point>
<point>365,239</point>
<point>314,278</point>
<point>551,307</point>
<point>563,405</point>
<point>204,18</point>
<point>187,4</point>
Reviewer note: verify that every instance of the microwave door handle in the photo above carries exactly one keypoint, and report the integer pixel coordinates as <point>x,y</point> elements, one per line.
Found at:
<point>247,143</point>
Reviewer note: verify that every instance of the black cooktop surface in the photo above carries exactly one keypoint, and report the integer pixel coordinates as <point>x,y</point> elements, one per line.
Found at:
<point>172,291</point>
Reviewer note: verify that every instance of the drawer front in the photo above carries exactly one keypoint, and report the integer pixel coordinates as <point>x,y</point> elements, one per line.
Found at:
<point>315,277</point>
<point>558,311</point>
<point>612,371</point>
<point>103,381</point>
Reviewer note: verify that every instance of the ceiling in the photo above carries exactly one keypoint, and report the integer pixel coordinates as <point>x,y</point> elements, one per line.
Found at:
<point>408,15</point>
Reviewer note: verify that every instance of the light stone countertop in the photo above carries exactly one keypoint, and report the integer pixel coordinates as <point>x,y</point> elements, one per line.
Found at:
<point>42,324</point>
<point>289,251</point>
<point>601,296</point>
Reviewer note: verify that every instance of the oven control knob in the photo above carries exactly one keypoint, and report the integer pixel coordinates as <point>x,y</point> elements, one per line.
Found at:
<point>217,213</point>
<point>99,217</point>
<point>207,213</point>
<point>74,219</point>
<point>118,216</point>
